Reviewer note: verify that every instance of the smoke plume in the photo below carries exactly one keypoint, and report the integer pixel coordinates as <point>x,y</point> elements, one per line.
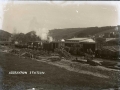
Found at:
<point>41,32</point>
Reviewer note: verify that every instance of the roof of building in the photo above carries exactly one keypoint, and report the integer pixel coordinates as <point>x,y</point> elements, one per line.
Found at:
<point>111,39</point>
<point>81,40</point>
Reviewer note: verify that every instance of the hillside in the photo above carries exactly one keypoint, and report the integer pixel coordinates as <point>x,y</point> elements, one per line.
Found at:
<point>60,33</point>
<point>4,35</point>
<point>80,32</point>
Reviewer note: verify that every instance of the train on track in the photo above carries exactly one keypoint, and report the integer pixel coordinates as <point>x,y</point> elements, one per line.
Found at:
<point>79,49</point>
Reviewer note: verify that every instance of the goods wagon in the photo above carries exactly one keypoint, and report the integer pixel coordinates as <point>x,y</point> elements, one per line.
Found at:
<point>108,52</point>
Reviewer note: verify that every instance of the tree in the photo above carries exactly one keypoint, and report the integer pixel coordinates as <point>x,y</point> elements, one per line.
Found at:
<point>21,37</point>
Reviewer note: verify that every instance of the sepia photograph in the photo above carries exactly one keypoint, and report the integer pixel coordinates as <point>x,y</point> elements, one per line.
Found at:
<point>59,45</point>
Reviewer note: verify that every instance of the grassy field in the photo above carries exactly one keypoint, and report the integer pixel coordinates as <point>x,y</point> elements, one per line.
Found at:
<point>55,78</point>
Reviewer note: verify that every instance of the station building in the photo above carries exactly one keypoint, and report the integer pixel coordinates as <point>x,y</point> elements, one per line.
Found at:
<point>84,43</point>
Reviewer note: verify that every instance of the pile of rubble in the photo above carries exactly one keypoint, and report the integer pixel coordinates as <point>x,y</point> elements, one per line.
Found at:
<point>29,53</point>
<point>5,49</point>
<point>14,51</point>
<point>64,53</point>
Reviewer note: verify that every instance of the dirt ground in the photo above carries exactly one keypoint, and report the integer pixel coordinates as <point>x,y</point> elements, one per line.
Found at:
<point>59,75</point>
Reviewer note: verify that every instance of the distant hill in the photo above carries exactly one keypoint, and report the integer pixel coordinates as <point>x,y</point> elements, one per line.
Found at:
<point>4,35</point>
<point>60,33</point>
<point>80,32</point>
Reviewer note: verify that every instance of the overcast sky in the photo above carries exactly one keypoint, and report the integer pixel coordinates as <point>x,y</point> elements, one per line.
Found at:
<point>27,16</point>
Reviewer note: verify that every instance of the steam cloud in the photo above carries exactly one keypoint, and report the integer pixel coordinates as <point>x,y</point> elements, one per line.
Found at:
<point>44,34</point>
<point>41,32</point>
